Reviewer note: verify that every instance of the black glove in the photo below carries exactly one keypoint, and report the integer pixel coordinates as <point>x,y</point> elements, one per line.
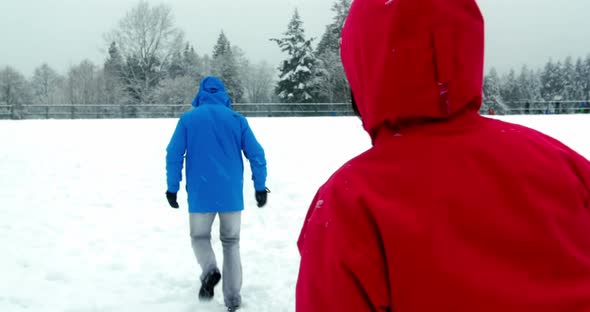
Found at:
<point>261,197</point>
<point>171,197</point>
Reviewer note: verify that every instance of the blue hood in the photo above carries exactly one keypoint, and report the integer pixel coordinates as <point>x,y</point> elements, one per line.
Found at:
<point>211,91</point>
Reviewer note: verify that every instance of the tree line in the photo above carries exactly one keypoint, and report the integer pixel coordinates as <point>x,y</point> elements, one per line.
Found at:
<point>150,62</point>
<point>559,87</point>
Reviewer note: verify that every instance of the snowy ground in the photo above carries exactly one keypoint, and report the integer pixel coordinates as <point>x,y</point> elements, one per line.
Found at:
<point>84,225</point>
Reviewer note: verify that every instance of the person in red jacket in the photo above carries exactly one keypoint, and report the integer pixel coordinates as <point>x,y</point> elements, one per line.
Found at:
<point>449,210</point>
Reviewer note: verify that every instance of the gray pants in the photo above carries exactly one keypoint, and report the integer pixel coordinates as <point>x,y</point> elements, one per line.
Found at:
<point>229,226</point>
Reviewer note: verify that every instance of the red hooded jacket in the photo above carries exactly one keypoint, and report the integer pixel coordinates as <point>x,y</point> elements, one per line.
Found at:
<point>448,211</point>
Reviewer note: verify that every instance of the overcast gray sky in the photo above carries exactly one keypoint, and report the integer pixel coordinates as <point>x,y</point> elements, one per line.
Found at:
<point>64,32</point>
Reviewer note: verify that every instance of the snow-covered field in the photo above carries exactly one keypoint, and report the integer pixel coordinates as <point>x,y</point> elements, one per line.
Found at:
<point>84,224</point>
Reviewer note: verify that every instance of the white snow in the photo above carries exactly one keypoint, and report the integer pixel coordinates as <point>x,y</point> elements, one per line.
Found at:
<point>286,76</point>
<point>289,75</point>
<point>84,224</point>
<point>302,68</point>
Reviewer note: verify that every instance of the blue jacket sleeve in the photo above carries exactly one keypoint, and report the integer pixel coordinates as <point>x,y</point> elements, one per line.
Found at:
<point>255,154</point>
<point>175,157</point>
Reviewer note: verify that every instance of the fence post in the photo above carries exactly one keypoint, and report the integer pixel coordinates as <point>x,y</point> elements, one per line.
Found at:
<point>47,111</point>
<point>73,111</point>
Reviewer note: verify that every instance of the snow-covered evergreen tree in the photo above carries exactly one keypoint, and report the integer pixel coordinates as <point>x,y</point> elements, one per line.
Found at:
<point>207,65</point>
<point>530,92</point>
<point>185,63</point>
<point>243,66</point>
<point>568,76</point>
<point>175,66</point>
<point>332,82</point>
<point>579,80</point>
<point>115,79</point>
<point>192,63</point>
<point>225,66</point>
<point>297,78</point>
<point>330,41</point>
<point>333,85</point>
<point>552,81</point>
<point>510,89</point>
<point>523,82</point>
<point>584,78</point>
<point>491,89</point>
<point>185,70</point>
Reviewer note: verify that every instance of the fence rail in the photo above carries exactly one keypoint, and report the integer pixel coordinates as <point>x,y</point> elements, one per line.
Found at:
<point>99,111</point>
<point>540,107</point>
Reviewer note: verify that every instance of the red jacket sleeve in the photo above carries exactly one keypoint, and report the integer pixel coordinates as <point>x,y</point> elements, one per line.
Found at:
<point>579,166</point>
<point>343,267</point>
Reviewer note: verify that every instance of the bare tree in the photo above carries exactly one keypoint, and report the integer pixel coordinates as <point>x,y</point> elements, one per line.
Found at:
<point>14,92</point>
<point>84,84</point>
<point>147,39</point>
<point>178,91</point>
<point>258,81</point>
<point>45,85</point>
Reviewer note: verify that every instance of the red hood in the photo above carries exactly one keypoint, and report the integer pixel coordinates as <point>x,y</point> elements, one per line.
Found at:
<point>413,59</point>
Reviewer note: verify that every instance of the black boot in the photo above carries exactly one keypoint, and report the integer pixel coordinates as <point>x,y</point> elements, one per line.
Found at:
<point>208,284</point>
<point>233,308</point>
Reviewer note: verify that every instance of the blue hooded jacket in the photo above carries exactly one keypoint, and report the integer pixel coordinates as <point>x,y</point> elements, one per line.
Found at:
<point>212,137</point>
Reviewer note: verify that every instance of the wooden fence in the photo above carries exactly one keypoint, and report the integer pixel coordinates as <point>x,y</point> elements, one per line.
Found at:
<point>110,111</point>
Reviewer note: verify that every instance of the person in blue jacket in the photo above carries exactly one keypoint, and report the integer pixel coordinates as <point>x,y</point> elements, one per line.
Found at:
<point>211,137</point>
